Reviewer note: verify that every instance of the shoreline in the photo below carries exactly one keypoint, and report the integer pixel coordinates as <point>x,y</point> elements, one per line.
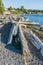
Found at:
<point>31,14</point>
<point>31,18</point>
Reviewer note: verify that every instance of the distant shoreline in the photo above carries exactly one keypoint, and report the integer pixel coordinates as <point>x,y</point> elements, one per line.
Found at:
<point>31,14</point>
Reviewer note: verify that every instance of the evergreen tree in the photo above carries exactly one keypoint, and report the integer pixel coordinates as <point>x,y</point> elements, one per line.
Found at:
<point>10,8</point>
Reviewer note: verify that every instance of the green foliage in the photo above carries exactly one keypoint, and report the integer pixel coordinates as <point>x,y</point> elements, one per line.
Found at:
<point>1,7</point>
<point>16,12</point>
<point>1,10</point>
<point>17,44</point>
<point>22,8</point>
<point>10,8</point>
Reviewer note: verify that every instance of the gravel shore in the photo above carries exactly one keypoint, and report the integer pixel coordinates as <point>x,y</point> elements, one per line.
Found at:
<point>9,57</point>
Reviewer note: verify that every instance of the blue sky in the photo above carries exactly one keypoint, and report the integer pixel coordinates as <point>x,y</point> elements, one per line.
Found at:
<point>28,4</point>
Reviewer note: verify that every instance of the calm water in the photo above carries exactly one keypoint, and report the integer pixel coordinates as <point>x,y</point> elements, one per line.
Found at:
<point>35,18</point>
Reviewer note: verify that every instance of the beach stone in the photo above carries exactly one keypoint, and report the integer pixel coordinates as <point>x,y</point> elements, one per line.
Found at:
<point>11,56</point>
<point>11,64</point>
<point>8,57</point>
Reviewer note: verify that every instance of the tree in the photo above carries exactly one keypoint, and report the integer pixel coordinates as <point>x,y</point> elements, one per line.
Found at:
<point>1,7</point>
<point>10,8</point>
<point>22,8</point>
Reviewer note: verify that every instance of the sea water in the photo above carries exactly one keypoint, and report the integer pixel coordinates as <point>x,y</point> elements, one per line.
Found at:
<point>34,18</point>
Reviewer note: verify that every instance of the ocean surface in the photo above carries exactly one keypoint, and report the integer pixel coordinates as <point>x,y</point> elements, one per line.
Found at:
<point>34,18</point>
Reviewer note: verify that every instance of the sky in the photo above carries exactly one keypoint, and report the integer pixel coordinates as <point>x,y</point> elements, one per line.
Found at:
<point>28,4</point>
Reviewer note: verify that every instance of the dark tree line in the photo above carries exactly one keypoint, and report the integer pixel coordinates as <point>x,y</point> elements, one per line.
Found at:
<point>26,11</point>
